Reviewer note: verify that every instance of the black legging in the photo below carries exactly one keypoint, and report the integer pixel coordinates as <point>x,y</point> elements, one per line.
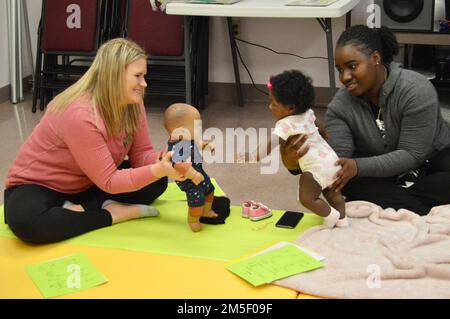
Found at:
<point>433,189</point>
<point>35,214</point>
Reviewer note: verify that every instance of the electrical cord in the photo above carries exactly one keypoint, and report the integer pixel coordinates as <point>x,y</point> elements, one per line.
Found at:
<point>248,71</point>
<point>267,48</point>
<point>283,53</point>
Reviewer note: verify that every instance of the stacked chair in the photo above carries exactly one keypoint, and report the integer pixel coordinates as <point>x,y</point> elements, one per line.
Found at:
<point>71,31</point>
<point>162,37</point>
<point>69,34</point>
<point>177,49</point>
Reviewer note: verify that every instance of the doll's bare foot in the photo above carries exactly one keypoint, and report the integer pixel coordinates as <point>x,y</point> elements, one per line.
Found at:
<point>194,223</point>
<point>210,214</point>
<point>195,227</point>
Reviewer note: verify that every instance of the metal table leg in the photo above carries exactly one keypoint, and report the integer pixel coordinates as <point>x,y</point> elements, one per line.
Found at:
<point>348,20</point>
<point>325,23</point>
<point>188,59</point>
<point>237,77</point>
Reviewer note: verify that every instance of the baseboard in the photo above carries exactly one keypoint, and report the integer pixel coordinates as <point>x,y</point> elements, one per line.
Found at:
<point>226,92</point>
<point>5,91</point>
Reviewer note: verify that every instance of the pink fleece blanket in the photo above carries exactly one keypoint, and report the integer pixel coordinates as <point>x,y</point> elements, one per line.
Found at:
<point>383,254</point>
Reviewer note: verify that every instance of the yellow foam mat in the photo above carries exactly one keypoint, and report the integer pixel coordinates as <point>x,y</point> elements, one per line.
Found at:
<point>130,274</point>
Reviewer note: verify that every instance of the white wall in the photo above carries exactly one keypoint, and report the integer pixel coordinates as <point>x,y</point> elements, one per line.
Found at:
<point>304,37</point>
<point>299,36</point>
<point>34,13</point>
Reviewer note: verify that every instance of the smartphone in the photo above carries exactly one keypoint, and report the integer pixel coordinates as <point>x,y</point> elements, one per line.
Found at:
<point>289,219</point>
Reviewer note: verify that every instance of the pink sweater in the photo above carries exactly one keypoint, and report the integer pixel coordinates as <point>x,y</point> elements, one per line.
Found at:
<point>71,151</point>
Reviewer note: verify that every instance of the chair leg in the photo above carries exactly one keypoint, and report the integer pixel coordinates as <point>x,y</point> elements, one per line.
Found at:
<point>43,82</point>
<point>38,70</point>
<point>41,99</point>
<point>37,80</point>
<point>50,63</point>
<point>35,94</point>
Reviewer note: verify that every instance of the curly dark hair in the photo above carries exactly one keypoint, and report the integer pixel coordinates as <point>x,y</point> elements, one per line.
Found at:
<point>368,40</point>
<point>293,88</point>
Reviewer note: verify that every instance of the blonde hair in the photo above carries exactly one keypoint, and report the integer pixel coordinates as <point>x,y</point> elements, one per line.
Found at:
<point>105,81</point>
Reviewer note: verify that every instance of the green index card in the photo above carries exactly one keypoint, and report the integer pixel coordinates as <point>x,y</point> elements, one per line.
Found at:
<point>65,275</point>
<point>274,264</point>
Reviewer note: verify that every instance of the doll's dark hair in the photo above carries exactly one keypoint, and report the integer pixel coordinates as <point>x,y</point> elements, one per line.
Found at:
<point>368,40</point>
<point>293,88</point>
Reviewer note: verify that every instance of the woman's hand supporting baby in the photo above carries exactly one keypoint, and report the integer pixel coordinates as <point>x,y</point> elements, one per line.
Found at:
<point>293,150</point>
<point>163,167</point>
<point>348,171</point>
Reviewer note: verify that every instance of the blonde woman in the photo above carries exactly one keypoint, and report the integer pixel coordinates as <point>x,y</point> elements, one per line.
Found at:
<point>71,176</point>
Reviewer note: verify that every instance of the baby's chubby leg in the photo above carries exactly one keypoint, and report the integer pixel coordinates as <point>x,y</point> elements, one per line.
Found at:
<point>196,203</point>
<point>199,205</point>
<point>194,214</point>
<point>309,195</point>
<point>207,211</point>
<point>337,201</point>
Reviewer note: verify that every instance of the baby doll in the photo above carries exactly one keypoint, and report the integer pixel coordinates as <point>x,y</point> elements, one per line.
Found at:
<point>179,121</point>
<point>291,95</point>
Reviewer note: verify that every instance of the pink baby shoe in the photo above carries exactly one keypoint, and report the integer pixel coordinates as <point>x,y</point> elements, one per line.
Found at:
<point>246,207</point>
<point>259,211</point>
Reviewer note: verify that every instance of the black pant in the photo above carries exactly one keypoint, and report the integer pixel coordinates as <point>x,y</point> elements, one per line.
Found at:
<point>432,189</point>
<point>35,214</point>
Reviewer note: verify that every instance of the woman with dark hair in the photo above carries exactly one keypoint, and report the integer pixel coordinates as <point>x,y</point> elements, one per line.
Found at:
<point>386,126</point>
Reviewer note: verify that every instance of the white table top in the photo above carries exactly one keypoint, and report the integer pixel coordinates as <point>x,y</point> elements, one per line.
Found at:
<point>262,9</point>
